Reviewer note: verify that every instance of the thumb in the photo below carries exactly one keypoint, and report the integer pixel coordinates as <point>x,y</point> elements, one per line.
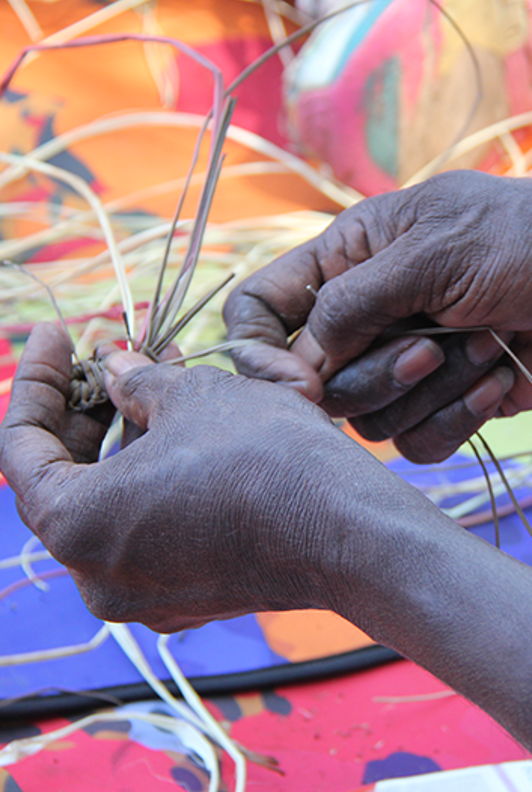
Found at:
<point>32,457</point>
<point>354,308</point>
<point>131,380</point>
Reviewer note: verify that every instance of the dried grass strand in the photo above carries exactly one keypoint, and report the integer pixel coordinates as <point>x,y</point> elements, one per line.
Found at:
<point>29,274</point>
<point>27,19</point>
<point>81,187</point>
<point>509,489</point>
<point>472,142</point>
<point>340,194</point>
<point>88,23</point>
<point>422,697</point>
<point>197,706</point>
<point>14,751</point>
<point>44,655</point>
<point>494,512</point>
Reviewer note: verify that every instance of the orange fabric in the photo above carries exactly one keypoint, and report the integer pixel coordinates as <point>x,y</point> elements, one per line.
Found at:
<point>74,87</point>
<point>310,634</point>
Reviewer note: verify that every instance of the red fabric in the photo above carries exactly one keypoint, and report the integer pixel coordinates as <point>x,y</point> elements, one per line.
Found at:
<point>328,736</point>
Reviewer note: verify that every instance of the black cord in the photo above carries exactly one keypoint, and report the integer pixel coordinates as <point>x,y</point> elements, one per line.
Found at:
<point>51,706</point>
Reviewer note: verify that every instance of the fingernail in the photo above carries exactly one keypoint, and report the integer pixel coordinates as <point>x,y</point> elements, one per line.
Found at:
<point>488,393</point>
<point>419,360</point>
<point>120,363</point>
<point>104,350</point>
<point>482,347</point>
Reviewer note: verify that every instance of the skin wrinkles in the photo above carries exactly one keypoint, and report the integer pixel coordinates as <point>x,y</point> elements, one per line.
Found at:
<point>265,331</point>
<point>239,473</point>
<point>445,248</point>
<point>335,257</point>
<point>439,389</point>
<point>327,530</point>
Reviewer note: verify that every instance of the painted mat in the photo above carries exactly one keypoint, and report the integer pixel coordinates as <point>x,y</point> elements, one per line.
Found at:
<point>46,100</point>
<point>47,613</point>
<point>336,736</point>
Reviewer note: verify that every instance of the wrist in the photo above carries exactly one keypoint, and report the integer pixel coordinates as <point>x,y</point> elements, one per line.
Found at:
<point>343,519</point>
<point>416,582</point>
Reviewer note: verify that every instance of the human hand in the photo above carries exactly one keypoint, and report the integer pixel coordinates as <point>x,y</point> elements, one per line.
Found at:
<point>218,509</point>
<point>242,496</point>
<point>455,249</point>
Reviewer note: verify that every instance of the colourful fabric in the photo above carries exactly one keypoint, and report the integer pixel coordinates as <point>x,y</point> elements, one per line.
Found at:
<point>332,736</point>
<point>387,87</point>
<point>57,92</point>
<point>60,90</point>
<point>328,736</point>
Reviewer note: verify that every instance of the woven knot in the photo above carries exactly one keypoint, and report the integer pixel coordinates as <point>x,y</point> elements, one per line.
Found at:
<point>87,387</point>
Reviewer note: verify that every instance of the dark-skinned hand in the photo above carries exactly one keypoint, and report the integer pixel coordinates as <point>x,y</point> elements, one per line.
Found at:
<point>214,480</point>
<point>237,495</point>
<point>455,251</point>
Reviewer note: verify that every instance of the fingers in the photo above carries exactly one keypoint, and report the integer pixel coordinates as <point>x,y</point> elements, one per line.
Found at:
<point>437,249</point>
<point>268,307</point>
<point>273,303</point>
<point>30,450</point>
<point>123,364</point>
<point>82,433</point>
<point>134,404</point>
<point>440,435</point>
<point>353,309</point>
<point>467,359</point>
<point>140,390</point>
<point>42,378</point>
<point>279,365</point>
<point>381,376</point>
<point>368,270</point>
<point>520,397</point>
<point>393,393</point>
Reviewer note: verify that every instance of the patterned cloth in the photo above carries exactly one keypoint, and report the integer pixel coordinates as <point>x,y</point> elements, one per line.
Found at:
<point>332,736</point>
<point>329,736</point>
<point>385,88</point>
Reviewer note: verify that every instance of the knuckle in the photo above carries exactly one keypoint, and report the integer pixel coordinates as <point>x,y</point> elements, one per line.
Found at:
<point>389,216</point>
<point>35,371</point>
<point>232,309</point>
<point>337,250</point>
<point>267,317</point>
<point>249,311</point>
<point>204,378</point>
<point>137,382</point>
<point>236,306</point>
<point>332,305</point>
<point>149,388</point>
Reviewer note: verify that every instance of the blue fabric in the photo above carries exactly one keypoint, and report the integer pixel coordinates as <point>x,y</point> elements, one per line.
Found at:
<point>32,620</point>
